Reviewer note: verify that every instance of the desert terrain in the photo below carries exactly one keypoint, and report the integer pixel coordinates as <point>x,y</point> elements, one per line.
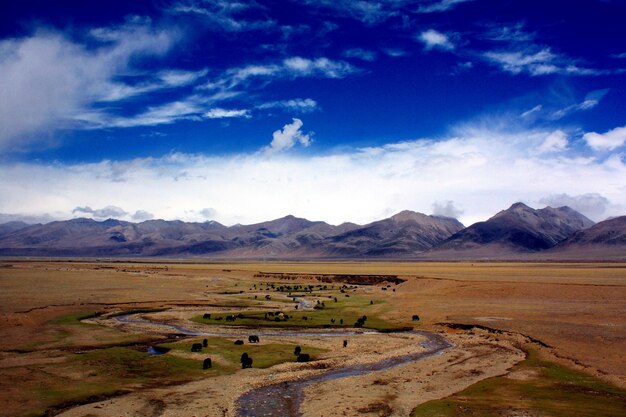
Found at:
<point>78,338</point>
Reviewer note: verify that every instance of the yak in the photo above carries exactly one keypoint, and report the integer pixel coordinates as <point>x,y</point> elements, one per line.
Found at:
<point>246,361</point>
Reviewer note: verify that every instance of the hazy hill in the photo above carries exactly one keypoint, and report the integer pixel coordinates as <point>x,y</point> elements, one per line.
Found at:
<point>604,240</point>
<point>10,227</point>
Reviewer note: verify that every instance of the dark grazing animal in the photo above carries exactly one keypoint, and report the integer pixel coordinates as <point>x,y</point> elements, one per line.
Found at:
<point>416,317</point>
<point>206,316</point>
<point>239,342</point>
<point>253,339</point>
<point>297,350</point>
<point>246,361</point>
<point>196,347</point>
<point>205,343</point>
<point>206,364</point>
<point>303,357</point>
<point>345,343</point>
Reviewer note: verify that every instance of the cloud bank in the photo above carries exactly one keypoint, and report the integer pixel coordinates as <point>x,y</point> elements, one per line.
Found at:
<point>481,171</point>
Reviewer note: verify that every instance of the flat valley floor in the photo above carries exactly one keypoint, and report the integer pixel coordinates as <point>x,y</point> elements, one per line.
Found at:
<point>78,338</point>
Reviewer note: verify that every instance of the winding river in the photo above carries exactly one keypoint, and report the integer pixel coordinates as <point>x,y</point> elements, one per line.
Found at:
<point>284,399</point>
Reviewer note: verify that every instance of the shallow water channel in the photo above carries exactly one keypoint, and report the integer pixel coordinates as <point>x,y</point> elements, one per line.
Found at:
<point>284,399</point>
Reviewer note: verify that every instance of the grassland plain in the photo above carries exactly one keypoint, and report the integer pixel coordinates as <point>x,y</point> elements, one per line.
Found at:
<point>534,387</point>
<point>578,310</point>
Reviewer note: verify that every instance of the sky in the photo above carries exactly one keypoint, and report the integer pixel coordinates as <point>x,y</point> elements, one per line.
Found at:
<point>336,110</point>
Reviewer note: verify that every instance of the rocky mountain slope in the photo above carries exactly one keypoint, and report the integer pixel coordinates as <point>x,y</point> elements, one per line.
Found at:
<point>519,229</point>
<point>405,233</point>
<point>604,240</point>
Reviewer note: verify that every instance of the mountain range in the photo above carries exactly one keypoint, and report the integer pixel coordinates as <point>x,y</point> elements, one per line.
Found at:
<point>518,232</point>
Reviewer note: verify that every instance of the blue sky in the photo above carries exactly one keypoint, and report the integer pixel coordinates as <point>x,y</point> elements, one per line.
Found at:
<point>337,110</point>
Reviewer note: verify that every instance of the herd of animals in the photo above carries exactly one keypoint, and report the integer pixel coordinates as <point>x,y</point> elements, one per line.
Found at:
<point>246,360</point>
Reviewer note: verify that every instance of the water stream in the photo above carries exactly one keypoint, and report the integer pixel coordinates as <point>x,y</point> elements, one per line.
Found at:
<point>284,399</point>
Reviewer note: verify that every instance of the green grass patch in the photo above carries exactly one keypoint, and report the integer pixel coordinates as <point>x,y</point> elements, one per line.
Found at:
<point>548,389</point>
<point>74,318</point>
<point>136,311</point>
<point>347,308</point>
<point>100,373</point>
<point>131,366</point>
<point>264,355</point>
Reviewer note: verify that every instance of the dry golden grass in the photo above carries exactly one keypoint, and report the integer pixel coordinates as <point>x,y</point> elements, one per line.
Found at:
<point>579,309</point>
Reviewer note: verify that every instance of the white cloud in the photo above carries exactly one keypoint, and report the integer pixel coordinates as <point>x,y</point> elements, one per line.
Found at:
<point>325,67</point>
<point>363,54</point>
<point>223,15</point>
<point>167,79</point>
<point>446,209</point>
<point>142,215</point>
<point>219,113</point>
<point>395,52</point>
<point>26,218</point>
<point>554,142</point>
<point>52,79</point>
<point>592,205</point>
<point>208,212</point>
<point>515,62</point>
<point>107,212</point>
<point>370,12</point>
<point>532,112</point>
<point>298,105</point>
<point>480,170</point>
<point>513,34</point>
<point>289,68</point>
<point>591,100</point>
<point>608,141</point>
<point>439,6</point>
<point>536,62</point>
<point>433,39</point>
<point>287,137</point>
<point>190,108</point>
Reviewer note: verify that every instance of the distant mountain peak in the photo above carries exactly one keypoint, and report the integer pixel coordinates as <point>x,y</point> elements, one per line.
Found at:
<point>408,215</point>
<point>519,228</point>
<point>519,205</point>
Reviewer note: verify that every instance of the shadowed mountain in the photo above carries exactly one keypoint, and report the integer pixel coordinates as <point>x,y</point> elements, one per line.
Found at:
<point>518,232</point>
<point>604,240</point>
<point>288,237</point>
<point>10,227</point>
<point>519,229</point>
